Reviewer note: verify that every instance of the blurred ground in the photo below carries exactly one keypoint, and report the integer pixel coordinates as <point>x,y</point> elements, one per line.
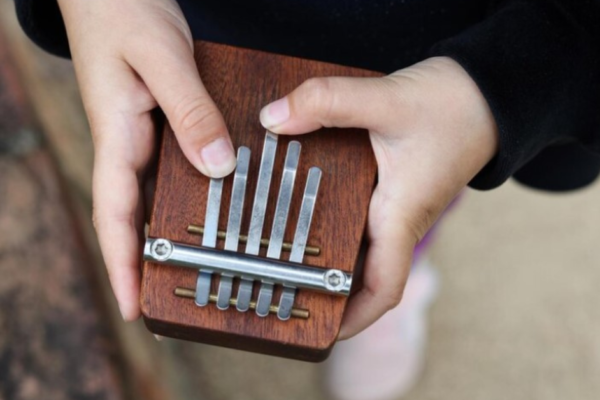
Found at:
<point>517,316</point>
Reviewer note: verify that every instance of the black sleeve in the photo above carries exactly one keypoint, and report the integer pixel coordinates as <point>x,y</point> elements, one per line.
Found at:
<point>537,62</point>
<point>43,23</point>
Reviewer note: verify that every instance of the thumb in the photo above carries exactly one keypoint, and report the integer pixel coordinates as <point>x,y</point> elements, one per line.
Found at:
<point>197,123</point>
<point>329,102</point>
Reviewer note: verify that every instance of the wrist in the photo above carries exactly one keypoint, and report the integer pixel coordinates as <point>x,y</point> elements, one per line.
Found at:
<point>459,118</point>
<point>468,109</point>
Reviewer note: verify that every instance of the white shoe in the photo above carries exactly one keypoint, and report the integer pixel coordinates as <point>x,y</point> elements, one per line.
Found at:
<point>385,361</point>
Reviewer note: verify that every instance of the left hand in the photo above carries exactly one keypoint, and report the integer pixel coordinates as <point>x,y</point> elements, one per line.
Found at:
<point>431,131</point>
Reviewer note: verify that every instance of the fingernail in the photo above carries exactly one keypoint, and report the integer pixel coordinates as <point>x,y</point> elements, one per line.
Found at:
<point>275,113</point>
<point>218,158</point>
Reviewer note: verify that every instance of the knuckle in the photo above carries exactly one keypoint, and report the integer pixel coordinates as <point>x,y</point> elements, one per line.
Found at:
<point>391,299</point>
<point>96,220</point>
<point>397,95</point>
<point>418,226</point>
<point>98,138</point>
<point>104,221</point>
<point>318,96</point>
<point>197,116</point>
<point>387,296</point>
<point>95,121</point>
<point>430,215</point>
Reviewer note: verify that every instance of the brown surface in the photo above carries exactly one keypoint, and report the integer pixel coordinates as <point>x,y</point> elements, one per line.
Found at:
<point>241,82</point>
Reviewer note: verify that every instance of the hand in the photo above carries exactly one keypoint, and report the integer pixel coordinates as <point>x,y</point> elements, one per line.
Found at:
<point>431,132</point>
<point>130,57</point>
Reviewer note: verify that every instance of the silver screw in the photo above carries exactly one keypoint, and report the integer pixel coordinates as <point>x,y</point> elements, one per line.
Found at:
<point>161,249</point>
<point>334,280</point>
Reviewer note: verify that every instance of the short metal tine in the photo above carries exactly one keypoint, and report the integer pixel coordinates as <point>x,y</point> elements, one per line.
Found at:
<point>234,222</point>
<point>244,295</point>
<point>258,215</point>
<point>209,239</point>
<point>263,304</point>
<point>305,217</point>
<point>286,188</point>
<point>203,283</point>
<point>224,293</point>
<point>286,302</point>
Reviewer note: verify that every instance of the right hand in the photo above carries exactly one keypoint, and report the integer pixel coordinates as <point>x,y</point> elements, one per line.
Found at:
<point>130,57</point>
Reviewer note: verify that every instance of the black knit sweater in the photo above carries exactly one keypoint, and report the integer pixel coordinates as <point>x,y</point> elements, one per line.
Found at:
<point>537,62</point>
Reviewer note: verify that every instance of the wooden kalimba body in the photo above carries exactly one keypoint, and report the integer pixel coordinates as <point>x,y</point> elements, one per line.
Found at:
<point>264,259</point>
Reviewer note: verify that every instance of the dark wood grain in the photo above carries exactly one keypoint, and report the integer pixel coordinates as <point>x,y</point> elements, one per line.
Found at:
<point>241,82</point>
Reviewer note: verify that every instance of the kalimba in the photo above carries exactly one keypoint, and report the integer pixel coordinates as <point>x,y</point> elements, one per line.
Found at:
<point>265,259</point>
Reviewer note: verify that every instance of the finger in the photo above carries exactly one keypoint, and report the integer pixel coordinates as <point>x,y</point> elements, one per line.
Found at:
<point>411,194</point>
<point>199,127</point>
<point>385,273</point>
<point>118,207</point>
<point>118,105</point>
<point>330,102</point>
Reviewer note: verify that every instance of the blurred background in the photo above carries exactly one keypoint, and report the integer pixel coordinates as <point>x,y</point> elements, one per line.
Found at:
<point>518,315</point>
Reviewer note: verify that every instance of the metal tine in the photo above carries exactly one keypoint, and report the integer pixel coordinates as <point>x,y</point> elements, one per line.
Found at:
<point>238,192</point>
<point>284,198</point>
<point>265,295</point>
<point>262,194</point>
<point>286,302</point>
<point>234,222</point>
<point>209,239</point>
<point>257,219</point>
<point>309,200</point>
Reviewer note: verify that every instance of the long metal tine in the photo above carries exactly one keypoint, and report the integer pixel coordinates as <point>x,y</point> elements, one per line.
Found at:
<point>209,239</point>
<point>262,194</point>
<point>284,199</point>
<point>286,302</point>
<point>234,222</point>
<point>286,188</point>
<point>258,215</point>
